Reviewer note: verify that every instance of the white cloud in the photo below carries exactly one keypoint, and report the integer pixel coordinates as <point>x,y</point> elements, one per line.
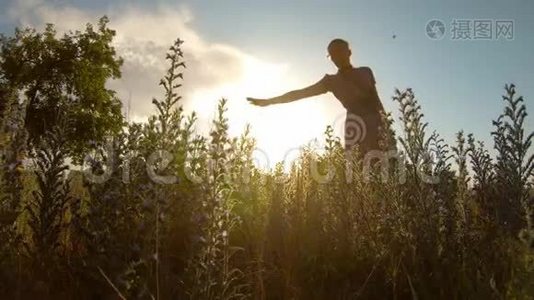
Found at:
<point>143,37</point>
<point>213,71</point>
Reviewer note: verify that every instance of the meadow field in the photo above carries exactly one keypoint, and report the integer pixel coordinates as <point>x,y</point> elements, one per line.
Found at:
<point>95,207</point>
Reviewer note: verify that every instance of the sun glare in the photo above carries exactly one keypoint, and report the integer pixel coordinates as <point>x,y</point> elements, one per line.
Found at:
<point>280,130</point>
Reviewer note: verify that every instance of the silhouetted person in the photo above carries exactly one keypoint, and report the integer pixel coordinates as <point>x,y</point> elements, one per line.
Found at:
<point>355,88</point>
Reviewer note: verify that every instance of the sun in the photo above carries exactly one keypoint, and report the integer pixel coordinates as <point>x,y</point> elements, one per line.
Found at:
<point>281,130</point>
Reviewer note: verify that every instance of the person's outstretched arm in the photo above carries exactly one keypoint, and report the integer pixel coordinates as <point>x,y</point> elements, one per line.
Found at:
<point>310,91</point>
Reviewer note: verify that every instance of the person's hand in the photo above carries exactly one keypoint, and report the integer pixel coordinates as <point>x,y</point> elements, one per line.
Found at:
<point>259,102</point>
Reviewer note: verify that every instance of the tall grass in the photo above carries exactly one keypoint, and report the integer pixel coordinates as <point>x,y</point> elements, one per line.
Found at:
<point>162,213</point>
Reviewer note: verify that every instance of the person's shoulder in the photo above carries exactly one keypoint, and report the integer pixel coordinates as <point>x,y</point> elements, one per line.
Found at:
<point>326,82</point>
<point>367,71</point>
<point>326,78</point>
<point>326,75</point>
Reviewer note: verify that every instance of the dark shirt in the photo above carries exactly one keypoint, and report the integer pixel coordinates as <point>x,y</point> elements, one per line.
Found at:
<point>355,89</point>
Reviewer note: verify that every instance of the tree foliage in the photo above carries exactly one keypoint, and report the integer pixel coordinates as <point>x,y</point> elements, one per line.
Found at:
<point>62,79</point>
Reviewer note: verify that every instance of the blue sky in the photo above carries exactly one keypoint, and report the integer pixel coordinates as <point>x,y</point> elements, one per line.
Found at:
<point>459,83</point>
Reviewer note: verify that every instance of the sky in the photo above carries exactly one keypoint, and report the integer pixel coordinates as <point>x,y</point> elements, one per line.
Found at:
<point>234,49</point>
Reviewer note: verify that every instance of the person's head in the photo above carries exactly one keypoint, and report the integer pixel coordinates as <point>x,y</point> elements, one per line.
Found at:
<point>339,52</point>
